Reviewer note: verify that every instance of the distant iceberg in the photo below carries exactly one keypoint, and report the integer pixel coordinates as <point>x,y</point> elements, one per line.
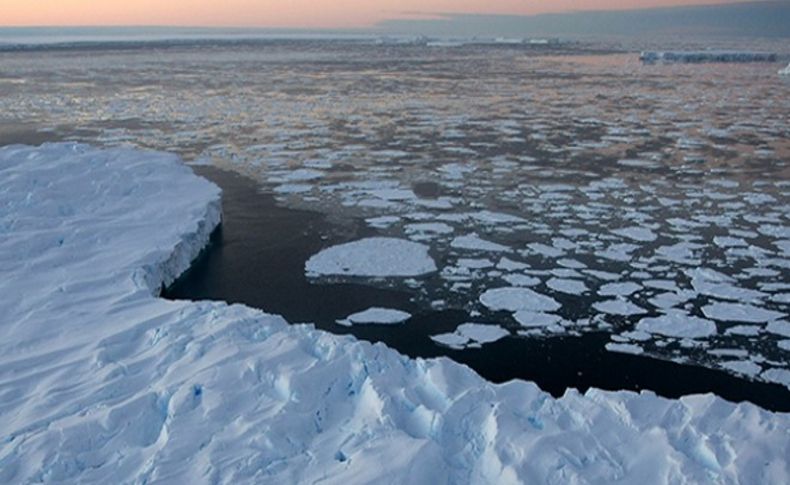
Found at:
<point>696,57</point>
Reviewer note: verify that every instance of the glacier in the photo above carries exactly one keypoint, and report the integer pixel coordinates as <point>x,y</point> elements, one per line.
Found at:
<point>102,381</point>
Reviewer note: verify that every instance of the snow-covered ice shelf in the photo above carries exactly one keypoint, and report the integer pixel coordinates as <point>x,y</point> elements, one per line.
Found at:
<point>103,382</point>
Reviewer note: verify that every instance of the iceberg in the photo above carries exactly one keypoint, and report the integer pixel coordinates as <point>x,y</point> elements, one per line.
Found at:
<point>101,381</point>
<point>695,57</point>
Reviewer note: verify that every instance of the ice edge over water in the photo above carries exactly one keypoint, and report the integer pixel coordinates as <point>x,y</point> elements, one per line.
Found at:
<point>205,391</point>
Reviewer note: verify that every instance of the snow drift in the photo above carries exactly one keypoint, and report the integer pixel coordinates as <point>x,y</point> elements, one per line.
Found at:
<point>101,381</point>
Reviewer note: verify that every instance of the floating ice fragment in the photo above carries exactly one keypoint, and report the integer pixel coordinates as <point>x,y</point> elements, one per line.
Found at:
<point>376,316</point>
<point>619,289</point>
<point>572,287</point>
<point>624,348</point>
<point>619,307</point>
<point>740,312</point>
<point>636,233</point>
<point>372,257</point>
<point>779,376</point>
<point>677,323</point>
<point>514,299</point>
<point>521,280</point>
<point>474,243</point>
<point>746,367</point>
<point>779,327</point>
<point>528,318</point>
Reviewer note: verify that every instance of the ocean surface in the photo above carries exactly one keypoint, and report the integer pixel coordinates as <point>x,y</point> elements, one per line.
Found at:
<point>640,211</point>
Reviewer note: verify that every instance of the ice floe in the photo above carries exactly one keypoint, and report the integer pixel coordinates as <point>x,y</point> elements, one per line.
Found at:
<point>372,257</point>
<point>474,242</point>
<point>570,286</point>
<point>471,335</point>
<point>619,306</point>
<point>636,233</point>
<point>514,299</point>
<point>376,316</point>
<point>740,312</point>
<point>619,289</point>
<point>677,323</point>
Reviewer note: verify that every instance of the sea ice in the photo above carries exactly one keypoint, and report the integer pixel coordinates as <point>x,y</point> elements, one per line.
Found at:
<point>372,257</point>
<point>528,318</point>
<point>624,348</point>
<point>572,287</point>
<point>619,289</point>
<point>636,233</point>
<point>471,335</point>
<point>619,306</point>
<point>779,327</point>
<point>515,299</point>
<point>745,367</point>
<point>677,323</point>
<point>474,243</point>
<point>740,312</point>
<point>516,279</point>
<point>376,316</point>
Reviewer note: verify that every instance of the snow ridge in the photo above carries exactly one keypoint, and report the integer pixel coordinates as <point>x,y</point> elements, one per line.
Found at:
<point>102,382</point>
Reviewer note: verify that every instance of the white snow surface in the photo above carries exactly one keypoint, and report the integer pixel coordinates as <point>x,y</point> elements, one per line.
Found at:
<point>103,382</point>
<point>372,257</point>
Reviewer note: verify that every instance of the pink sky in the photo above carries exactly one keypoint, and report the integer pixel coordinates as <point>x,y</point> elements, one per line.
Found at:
<point>284,13</point>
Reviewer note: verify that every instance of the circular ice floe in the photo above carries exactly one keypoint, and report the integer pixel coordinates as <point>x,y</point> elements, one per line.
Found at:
<point>740,312</point>
<point>678,324</point>
<point>514,299</point>
<point>372,257</point>
<point>375,316</point>
<point>471,335</point>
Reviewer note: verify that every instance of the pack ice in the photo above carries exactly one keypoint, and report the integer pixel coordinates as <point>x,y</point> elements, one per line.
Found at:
<point>103,382</point>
